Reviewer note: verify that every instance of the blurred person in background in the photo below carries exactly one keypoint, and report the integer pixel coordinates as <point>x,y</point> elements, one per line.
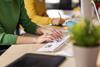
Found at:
<point>36,10</point>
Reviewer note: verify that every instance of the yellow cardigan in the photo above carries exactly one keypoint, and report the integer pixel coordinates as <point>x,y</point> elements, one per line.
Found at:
<point>37,12</point>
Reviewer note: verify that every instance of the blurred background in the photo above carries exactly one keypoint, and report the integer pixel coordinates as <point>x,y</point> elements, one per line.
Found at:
<point>62,7</point>
<point>62,4</point>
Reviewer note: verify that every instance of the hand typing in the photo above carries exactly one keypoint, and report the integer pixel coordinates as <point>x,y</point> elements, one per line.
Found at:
<point>50,31</point>
<point>45,38</point>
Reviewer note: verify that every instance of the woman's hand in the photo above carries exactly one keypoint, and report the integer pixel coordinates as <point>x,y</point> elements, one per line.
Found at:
<point>45,38</point>
<point>48,34</point>
<point>51,31</point>
<point>57,21</point>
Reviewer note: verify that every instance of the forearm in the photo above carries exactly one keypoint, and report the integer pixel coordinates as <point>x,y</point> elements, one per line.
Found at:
<point>25,40</point>
<point>26,22</point>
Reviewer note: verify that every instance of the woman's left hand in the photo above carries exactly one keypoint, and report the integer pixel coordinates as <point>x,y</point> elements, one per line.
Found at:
<point>50,31</point>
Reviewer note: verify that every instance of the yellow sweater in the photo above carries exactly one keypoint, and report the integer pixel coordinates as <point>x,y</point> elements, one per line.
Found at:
<point>37,12</point>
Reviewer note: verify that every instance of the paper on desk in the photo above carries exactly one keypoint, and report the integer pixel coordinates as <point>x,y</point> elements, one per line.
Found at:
<point>65,53</point>
<point>68,52</point>
<point>55,14</point>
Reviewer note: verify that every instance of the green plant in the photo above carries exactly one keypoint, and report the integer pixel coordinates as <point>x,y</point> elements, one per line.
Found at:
<point>86,34</point>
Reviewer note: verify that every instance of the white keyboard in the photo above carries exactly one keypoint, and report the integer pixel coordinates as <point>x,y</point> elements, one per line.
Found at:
<point>52,46</point>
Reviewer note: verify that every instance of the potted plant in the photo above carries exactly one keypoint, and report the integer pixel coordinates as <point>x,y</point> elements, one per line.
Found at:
<point>86,38</point>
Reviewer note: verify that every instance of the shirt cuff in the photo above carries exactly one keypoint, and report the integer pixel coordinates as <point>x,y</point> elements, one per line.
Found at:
<point>9,39</point>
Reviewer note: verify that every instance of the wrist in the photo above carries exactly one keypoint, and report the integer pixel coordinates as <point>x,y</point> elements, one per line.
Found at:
<point>35,41</point>
<point>25,40</point>
<point>52,21</point>
<point>38,31</point>
<point>55,21</point>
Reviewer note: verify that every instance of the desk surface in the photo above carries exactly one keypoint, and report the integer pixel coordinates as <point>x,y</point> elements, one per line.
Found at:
<point>15,51</point>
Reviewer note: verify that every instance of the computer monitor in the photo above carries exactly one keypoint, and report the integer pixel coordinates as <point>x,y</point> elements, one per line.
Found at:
<point>65,4</point>
<point>52,4</point>
<point>61,4</point>
<point>68,4</point>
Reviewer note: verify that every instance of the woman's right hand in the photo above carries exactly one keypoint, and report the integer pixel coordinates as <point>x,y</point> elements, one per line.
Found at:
<point>45,38</point>
<point>57,21</point>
